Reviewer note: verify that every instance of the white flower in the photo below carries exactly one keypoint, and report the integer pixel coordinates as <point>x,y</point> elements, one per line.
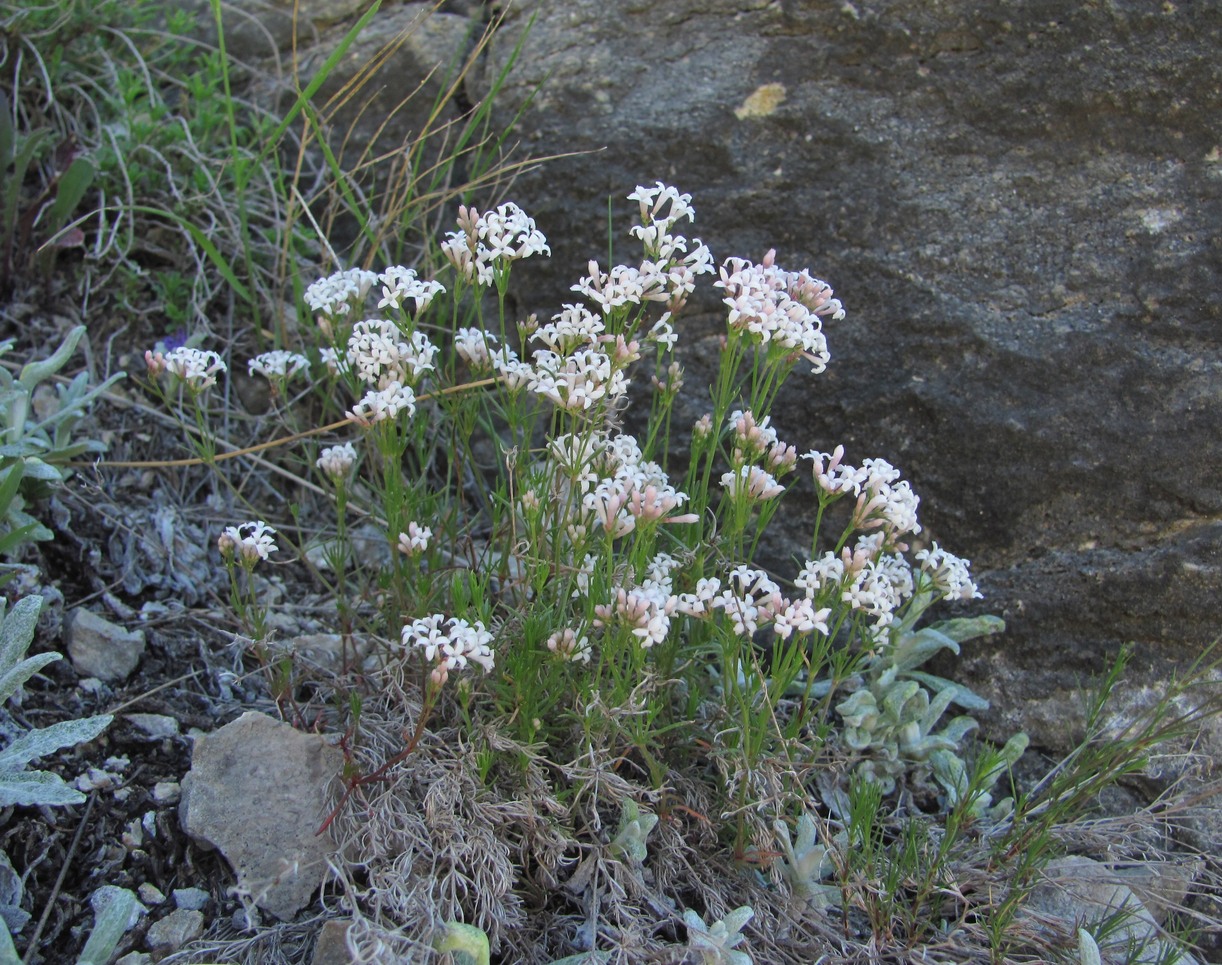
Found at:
<point>250,542</point>
<point>383,404</point>
<point>886,500</point>
<point>490,240</point>
<point>194,366</point>
<point>832,476</point>
<point>771,305</point>
<point>575,327</point>
<point>278,364</point>
<point>336,461</point>
<point>950,574</point>
<point>817,574</point>
<point>381,354</point>
<point>757,484</point>
<point>474,346</point>
<point>415,540</point>
<point>453,649</point>
<point>622,285</point>
<point>576,382</point>
<point>569,646</point>
<point>338,293</point>
<point>510,234</point>
<point>400,284</point>
<point>663,206</point>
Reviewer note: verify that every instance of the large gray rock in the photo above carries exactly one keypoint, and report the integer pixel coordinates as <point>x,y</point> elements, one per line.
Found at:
<point>1018,204</point>
<point>257,790</point>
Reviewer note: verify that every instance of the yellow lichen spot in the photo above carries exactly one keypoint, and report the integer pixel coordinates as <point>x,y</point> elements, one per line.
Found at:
<point>761,102</point>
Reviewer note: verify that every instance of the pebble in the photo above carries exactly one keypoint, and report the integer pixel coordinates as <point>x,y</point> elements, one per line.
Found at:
<point>150,894</point>
<point>192,899</point>
<point>167,792</point>
<point>175,930</point>
<point>154,726</point>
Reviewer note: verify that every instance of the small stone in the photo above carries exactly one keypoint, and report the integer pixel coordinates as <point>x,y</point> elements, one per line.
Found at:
<point>154,726</point>
<point>192,899</point>
<point>331,946</point>
<point>135,958</point>
<point>150,894</point>
<point>175,930</point>
<point>149,823</point>
<point>133,834</point>
<point>166,792</point>
<point>101,649</point>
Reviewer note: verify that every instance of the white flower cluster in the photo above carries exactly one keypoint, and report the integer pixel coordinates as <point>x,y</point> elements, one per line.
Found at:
<point>577,381</point>
<point>569,645</point>
<point>401,284</point>
<point>758,441</point>
<point>883,499</point>
<point>453,648</point>
<point>752,599</point>
<point>336,461</point>
<point>645,608</point>
<point>278,364</point>
<point>416,540</point>
<point>951,575</point>
<point>755,484</point>
<point>379,405</point>
<point>381,354</point>
<point>666,275</point>
<point>864,577</point>
<point>491,240</point>
<point>778,307</point>
<point>339,293</point>
<point>249,543</point>
<point>619,488</point>
<point>196,367</point>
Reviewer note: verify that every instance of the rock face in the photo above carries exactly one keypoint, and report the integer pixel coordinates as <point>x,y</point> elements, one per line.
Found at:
<point>257,790</point>
<point>1018,204</point>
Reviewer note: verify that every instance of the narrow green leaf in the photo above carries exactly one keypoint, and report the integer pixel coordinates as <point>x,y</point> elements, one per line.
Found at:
<point>319,79</point>
<point>218,260</point>
<point>72,187</point>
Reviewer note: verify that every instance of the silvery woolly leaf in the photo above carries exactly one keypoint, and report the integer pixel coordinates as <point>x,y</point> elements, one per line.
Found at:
<point>115,911</point>
<point>963,629</point>
<point>10,681</point>
<point>914,649</point>
<point>31,788</point>
<point>36,372</point>
<point>1088,949</point>
<point>962,696</point>
<point>17,631</point>
<point>48,740</point>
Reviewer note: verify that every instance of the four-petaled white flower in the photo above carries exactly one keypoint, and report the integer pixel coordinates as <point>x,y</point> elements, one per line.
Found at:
<point>381,404</point>
<point>450,649</point>
<point>568,645</point>
<point>278,364</point>
<point>415,540</point>
<point>196,367</point>
<point>248,543</point>
<point>336,461</point>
